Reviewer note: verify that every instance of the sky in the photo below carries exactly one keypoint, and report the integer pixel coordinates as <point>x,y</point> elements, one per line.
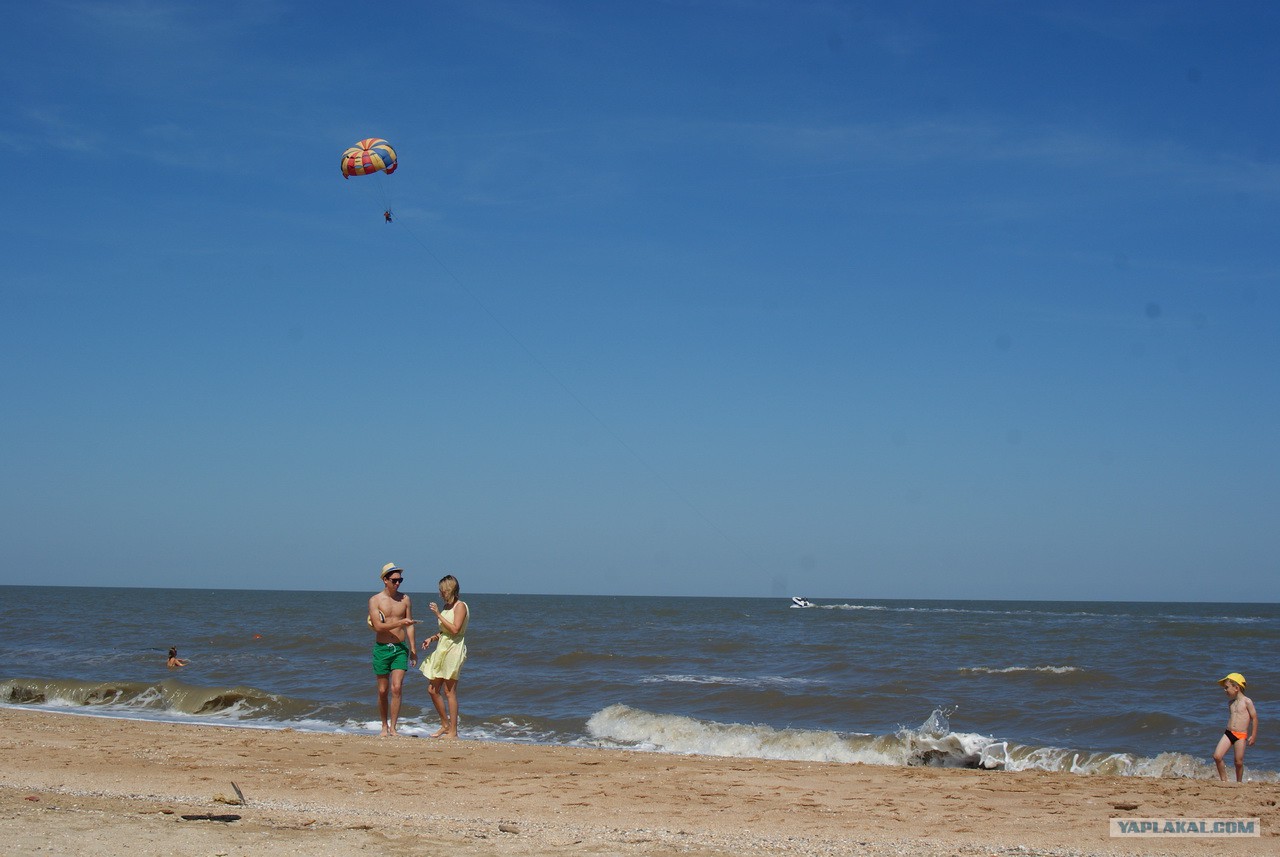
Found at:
<point>681,297</point>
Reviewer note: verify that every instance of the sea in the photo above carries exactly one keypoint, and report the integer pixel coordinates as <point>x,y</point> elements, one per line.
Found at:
<point>1080,687</point>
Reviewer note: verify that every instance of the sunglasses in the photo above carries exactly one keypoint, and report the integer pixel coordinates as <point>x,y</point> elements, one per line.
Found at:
<point>394,579</point>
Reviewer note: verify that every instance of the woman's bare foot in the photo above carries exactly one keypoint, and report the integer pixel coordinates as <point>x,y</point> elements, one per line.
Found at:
<point>441,731</point>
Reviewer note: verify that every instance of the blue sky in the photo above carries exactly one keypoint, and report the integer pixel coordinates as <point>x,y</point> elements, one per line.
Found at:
<point>734,297</point>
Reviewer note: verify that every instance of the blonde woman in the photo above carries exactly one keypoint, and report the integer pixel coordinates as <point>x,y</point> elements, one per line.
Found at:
<point>442,666</point>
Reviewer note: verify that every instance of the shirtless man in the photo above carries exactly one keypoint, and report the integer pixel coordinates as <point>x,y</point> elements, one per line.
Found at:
<point>392,621</point>
<point>1242,726</point>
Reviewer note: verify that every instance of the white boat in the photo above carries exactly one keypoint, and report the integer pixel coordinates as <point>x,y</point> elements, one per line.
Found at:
<point>800,601</point>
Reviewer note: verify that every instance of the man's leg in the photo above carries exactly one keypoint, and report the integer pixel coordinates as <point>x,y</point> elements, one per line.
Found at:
<point>384,685</point>
<point>397,686</point>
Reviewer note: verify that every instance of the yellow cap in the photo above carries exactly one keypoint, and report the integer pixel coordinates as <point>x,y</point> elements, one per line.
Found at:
<point>1236,677</point>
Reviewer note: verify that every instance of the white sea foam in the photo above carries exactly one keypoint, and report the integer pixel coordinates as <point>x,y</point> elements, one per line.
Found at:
<point>1003,670</point>
<point>129,713</point>
<point>933,743</point>
<point>621,725</point>
<point>733,681</point>
<point>1014,757</point>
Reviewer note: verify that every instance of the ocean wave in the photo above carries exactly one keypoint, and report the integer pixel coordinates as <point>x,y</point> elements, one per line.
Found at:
<point>932,744</point>
<point>754,682</point>
<point>1172,618</point>
<point>1014,757</point>
<point>166,697</point>
<point>1051,614</point>
<point>1005,670</point>
<point>1208,620</point>
<point>1193,632</point>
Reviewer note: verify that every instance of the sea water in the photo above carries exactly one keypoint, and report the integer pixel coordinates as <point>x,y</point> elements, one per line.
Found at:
<point>1087,687</point>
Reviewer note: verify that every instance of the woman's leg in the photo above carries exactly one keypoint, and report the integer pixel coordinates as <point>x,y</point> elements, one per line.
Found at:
<point>434,689</point>
<point>451,692</point>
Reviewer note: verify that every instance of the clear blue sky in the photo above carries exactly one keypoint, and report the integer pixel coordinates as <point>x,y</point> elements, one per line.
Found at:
<point>743,297</point>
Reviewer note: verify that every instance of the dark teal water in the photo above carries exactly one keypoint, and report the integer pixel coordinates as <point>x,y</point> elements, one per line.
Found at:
<point>1089,686</point>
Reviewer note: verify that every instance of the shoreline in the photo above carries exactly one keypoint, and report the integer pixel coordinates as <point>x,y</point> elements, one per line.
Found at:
<point>127,784</point>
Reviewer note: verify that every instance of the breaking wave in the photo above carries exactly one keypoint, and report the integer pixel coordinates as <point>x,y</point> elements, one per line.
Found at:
<point>933,744</point>
<point>170,697</point>
<point>1003,670</point>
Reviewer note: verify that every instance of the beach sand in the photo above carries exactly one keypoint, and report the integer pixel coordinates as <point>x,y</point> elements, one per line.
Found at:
<point>75,784</point>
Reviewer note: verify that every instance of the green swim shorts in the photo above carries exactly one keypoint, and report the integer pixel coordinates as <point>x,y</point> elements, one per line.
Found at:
<point>390,656</point>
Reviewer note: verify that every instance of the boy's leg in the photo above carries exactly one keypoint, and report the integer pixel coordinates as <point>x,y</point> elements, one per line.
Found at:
<point>1240,761</point>
<point>1219,754</point>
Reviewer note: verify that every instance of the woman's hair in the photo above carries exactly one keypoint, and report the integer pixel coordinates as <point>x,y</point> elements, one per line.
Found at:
<point>173,652</point>
<point>449,587</point>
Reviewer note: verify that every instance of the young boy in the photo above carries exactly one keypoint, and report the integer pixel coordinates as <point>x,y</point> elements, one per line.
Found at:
<point>1242,726</point>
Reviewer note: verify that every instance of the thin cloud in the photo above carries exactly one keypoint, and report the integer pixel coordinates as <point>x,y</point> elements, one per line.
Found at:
<point>141,17</point>
<point>526,16</point>
<point>150,19</point>
<point>906,144</point>
<point>51,126</point>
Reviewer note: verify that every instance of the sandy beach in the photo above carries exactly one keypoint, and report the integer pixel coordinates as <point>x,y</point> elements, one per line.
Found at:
<point>76,784</point>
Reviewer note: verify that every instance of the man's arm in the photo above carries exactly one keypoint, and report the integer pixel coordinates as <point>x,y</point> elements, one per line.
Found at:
<point>413,647</point>
<point>377,620</point>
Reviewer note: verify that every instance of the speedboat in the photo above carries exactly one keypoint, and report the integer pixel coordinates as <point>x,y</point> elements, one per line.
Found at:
<point>800,601</point>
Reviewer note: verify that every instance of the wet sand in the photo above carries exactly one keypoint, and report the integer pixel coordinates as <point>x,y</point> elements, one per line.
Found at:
<point>75,784</point>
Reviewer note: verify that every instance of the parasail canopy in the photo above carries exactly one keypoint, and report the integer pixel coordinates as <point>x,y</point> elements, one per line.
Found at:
<point>369,156</point>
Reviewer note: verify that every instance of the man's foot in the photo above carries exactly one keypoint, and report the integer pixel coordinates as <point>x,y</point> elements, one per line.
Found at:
<point>441,731</point>
<point>384,733</point>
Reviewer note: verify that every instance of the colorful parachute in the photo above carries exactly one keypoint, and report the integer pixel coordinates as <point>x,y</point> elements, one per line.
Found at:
<point>368,156</point>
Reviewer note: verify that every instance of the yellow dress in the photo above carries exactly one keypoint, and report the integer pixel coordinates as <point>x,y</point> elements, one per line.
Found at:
<point>451,649</point>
